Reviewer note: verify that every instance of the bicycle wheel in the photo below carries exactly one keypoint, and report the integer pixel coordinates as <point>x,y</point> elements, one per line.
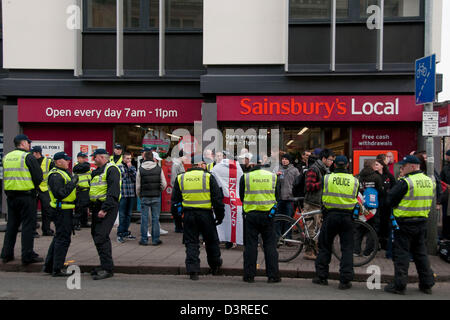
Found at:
<point>365,244</point>
<point>290,238</point>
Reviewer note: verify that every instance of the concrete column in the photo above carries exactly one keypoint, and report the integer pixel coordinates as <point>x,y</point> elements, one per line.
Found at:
<point>209,120</point>
<point>11,128</point>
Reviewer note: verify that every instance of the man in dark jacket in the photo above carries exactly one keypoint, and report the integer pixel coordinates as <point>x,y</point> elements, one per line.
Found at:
<point>150,182</point>
<point>196,194</point>
<point>445,177</point>
<point>62,194</point>
<point>258,210</point>
<point>21,198</point>
<point>82,169</point>
<point>104,195</point>
<point>313,196</point>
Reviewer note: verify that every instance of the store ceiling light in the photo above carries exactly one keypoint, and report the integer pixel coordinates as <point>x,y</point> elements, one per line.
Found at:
<point>172,135</point>
<point>302,131</point>
<point>137,126</point>
<point>290,142</point>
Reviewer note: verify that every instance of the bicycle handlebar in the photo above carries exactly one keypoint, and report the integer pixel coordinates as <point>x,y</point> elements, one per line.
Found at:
<point>311,213</point>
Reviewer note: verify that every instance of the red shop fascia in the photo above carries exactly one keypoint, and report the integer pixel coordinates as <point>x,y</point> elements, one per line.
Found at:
<point>378,122</point>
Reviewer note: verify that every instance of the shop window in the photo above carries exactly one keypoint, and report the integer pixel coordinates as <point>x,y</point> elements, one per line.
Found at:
<point>393,8</point>
<point>317,9</point>
<point>299,139</point>
<point>101,14</point>
<point>184,14</point>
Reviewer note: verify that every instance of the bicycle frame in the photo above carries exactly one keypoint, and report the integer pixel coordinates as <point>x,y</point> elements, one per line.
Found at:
<point>305,230</point>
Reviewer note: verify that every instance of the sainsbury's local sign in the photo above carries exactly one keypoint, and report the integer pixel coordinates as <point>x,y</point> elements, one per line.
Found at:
<point>317,108</point>
<point>110,110</point>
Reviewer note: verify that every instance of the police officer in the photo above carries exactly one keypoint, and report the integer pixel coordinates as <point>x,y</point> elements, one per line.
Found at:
<point>42,192</point>
<point>198,193</point>
<point>104,195</point>
<point>339,198</point>
<point>411,199</point>
<point>22,175</point>
<point>117,157</point>
<point>259,191</point>
<point>62,191</point>
<point>82,169</point>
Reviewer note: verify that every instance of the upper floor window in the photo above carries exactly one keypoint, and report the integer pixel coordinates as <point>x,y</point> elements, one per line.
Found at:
<point>316,9</point>
<point>144,14</point>
<point>393,8</point>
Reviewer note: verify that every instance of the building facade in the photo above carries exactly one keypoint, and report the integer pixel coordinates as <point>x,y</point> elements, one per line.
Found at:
<point>83,74</point>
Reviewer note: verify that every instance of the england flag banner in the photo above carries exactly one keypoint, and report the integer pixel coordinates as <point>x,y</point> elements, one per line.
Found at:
<point>228,173</point>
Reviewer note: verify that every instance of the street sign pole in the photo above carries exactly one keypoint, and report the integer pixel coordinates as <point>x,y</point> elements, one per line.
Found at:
<point>432,234</point>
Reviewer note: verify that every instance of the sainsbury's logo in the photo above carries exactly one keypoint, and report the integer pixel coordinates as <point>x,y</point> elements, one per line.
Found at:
<point>325,109</point>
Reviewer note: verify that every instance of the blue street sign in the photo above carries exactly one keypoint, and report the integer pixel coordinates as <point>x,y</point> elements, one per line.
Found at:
<point>426,80</point>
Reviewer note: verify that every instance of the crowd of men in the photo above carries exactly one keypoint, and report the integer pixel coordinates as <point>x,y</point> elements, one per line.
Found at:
<point>320,179</point>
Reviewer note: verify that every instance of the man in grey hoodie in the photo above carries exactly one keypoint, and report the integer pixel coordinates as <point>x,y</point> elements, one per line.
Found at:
<point>150,182</point>
<point>177,168</point>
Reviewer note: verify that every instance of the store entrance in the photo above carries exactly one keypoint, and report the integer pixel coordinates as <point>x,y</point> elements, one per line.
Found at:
<point>163,138</point>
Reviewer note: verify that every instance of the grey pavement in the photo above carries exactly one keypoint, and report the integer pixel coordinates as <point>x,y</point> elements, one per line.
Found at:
<point>169,258</point>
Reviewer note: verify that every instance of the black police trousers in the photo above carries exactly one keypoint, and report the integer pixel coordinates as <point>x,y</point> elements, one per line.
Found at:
<point>100,230</point>
<point>198,222</point>
<point>44,198</point>
<point>410,240</point>
<point>255,224</point>
<point>57,251</point>
<point>81,207</point>
<point>21,210</point>
<point>336,223</point>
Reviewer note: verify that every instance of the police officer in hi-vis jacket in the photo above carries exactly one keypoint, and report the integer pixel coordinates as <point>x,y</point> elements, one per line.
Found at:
<point>411,198</point>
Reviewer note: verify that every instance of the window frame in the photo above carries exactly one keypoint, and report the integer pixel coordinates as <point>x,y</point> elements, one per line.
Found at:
<point>144,23</point>
<point>354,16</point>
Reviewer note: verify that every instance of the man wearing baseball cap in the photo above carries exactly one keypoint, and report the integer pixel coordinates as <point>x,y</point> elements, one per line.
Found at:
<point>339,198</point>
<point>22,175</point>
<point>62,191</point>
<point>411,198</point>
<point>117,156</point>
<point>43,195</point>
<point>82,169</point>
<point>104,195</point>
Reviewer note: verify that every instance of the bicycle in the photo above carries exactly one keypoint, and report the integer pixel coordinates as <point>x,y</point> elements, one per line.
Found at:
<point>291,242</point>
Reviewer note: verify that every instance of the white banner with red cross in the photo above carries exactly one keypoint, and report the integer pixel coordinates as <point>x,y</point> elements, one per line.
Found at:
<point>228,173</point>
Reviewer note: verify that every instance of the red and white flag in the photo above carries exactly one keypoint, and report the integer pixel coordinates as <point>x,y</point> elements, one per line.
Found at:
<point>228,173</point>
<point>364,213</point>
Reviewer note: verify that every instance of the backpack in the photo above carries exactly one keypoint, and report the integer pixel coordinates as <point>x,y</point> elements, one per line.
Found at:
<point>370,198</point>
<point>444,250</point>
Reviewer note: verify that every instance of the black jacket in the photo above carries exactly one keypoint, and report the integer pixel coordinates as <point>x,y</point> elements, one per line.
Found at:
<point>82,168</point>
<point>242,187</point>
<point>150,182</point>
<point>371,178</point>
<point>113,191</point>
<point>216,198</point>
<point>58,186</point>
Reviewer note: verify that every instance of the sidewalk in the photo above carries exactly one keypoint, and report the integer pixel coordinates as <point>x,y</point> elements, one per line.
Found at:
<point>169,257</point>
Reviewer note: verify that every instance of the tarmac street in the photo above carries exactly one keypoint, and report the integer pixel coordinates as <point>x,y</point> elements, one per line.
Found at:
<point>169,259</point>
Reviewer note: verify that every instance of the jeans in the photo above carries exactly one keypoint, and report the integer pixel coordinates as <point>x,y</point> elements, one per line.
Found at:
<point>154,205</point>
<point>125,211</point>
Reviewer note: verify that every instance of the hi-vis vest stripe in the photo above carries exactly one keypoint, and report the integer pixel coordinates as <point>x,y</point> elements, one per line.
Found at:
<point>99,185</point>
<point>210,166</point>
<point>259,191</point>
<point>84,181</point>
<point>418,199</point>
<point>45,166</point>
<point>195,189</point>
<point>16,174</point>
<point>340,191</point>
<point>69,201</point>
<point>118,161</point>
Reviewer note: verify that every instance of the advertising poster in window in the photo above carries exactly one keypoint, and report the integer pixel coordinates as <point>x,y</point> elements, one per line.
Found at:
<point>87,147</point>
<point>49,148</point>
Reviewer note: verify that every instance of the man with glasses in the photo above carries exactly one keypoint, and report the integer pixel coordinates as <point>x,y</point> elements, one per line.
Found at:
<point>313,194</point>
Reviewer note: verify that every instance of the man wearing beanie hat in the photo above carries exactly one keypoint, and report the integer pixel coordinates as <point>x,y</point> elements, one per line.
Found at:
<point>286,175</point>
